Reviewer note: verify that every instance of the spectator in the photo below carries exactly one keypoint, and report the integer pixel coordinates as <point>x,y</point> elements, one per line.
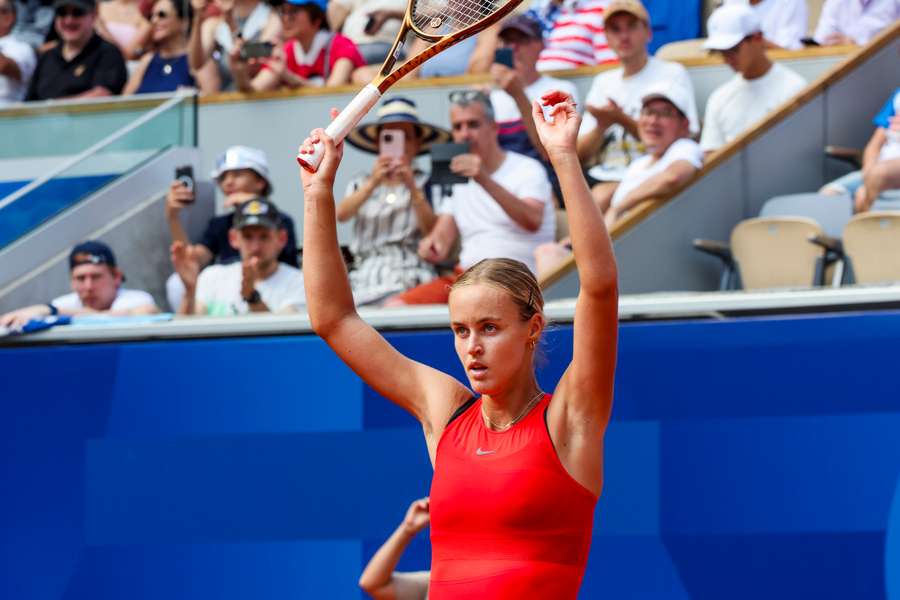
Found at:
<point>258,283</point>
<point>608,140</point>
<point>505,210</point>
<point>758,87</point>
<point>218,24</point>
<point>311,55</point>
<point>17,59</point>
<point>854,21</point>
<point>34,21</point>
<point>672,156</point>
<point>121,22</point>
<point>391,213</point>
<point>881,161</point>
<point>242,174</point>
<point>379,579</point>
<point>96,288</point>
<point>370,24</point>
<point>577,38</point>
<point>82,65</point>
<point>784,22</point>
<point>521,85</point>
<point>167,69</point>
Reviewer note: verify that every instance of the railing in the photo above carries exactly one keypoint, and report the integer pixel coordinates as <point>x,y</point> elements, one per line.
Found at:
<point>44,178</point>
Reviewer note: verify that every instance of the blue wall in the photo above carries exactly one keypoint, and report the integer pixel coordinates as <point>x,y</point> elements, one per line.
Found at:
<point>753,458</point>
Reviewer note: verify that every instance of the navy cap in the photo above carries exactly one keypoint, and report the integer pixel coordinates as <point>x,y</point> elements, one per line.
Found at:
<point>259,211</point>
<point>91,252</point>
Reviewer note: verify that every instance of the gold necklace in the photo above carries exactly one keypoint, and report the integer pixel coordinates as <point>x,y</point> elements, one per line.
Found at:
<point>531,403</point>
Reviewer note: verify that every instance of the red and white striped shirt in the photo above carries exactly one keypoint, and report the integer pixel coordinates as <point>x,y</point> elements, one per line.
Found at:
<point>577,38</point>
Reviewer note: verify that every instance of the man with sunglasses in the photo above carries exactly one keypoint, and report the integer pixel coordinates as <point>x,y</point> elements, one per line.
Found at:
<point>96,282</point>
<point>82,65</point>
<point>17,59</point>
<point>758,87</point>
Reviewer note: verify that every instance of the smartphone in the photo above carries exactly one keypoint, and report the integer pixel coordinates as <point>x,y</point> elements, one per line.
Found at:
<point>392,143</point>
<point>185,174</point>
<point>504,56</point>
<point>256,50</point>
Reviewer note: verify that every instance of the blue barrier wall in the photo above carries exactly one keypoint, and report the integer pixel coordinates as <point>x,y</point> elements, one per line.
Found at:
<point>753,458</point>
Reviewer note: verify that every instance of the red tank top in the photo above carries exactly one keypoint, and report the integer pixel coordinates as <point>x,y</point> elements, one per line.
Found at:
<point>507,519</point>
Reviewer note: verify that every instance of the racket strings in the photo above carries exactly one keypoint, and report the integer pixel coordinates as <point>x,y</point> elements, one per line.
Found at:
<point>443,17</point>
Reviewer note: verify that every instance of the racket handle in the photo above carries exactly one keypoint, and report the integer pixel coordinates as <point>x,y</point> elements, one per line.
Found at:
<point>341,126</point>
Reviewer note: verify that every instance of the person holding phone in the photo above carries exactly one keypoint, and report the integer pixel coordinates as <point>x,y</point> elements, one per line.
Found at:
<point>390,210</point>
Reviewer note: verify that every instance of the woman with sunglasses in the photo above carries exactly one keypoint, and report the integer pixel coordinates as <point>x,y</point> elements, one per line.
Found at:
<point>517,472</point>
<point>166,69</point>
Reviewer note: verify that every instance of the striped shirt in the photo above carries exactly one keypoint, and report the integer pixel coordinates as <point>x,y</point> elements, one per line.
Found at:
<point>577,38</point>
<point>385,243</point>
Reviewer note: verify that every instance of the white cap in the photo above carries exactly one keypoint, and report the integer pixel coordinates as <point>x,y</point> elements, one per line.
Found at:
<point>242,157</point>
<point>677,94</point>
<point>729,25</point>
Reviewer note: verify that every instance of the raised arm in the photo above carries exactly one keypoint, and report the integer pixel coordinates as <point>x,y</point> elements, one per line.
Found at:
<point>581,408</point>
<point>379,578</point>
<point>431,396</point>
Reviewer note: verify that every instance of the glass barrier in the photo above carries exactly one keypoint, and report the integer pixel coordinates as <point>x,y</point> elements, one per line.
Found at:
<point>68,155</point>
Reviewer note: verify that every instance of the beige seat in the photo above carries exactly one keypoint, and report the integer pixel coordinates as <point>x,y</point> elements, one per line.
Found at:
<point>682,49</point>
<point>775,252</point>
<point>872,242</point>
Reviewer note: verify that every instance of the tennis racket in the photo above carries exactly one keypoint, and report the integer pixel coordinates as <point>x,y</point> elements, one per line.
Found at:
<point>441,22</point>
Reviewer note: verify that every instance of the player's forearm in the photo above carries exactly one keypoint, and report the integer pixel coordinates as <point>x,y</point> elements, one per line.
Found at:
<point>590,241</point>
<point>329,298</point>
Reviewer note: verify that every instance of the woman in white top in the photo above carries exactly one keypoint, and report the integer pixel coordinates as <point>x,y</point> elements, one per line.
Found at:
<point>389,205</point>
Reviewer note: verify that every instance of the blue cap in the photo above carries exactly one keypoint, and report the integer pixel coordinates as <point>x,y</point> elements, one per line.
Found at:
<point>323,4</point>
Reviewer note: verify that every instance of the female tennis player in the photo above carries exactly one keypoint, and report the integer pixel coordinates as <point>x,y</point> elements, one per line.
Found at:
<point>517,473</point>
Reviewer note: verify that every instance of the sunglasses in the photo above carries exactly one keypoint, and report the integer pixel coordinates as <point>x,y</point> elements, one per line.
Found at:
<point>468,96</point>
<point>160,14</point>
<point>76,13</point>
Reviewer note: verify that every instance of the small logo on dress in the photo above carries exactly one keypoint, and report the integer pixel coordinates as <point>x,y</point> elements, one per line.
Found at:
<point>481,452</point>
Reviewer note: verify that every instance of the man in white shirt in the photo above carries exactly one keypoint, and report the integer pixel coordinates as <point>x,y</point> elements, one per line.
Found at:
<point>17,59</point>
<point>854,21</point>
<point>758,87</point>
<point>672,156</point>
<point>96,289</point>
<point>784,22</point>
<point>505,210</point>
<point>608,140</point>
<point>258,283</point>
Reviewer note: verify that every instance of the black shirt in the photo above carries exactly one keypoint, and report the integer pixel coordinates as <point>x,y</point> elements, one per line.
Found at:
<point>216,239</point>
<point>98,64</point>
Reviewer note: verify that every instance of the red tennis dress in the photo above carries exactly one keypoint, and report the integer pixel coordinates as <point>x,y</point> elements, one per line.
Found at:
<point>507,519</point>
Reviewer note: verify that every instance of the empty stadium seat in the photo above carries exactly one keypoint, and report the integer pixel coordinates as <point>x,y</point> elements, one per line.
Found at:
<point>872,244</point>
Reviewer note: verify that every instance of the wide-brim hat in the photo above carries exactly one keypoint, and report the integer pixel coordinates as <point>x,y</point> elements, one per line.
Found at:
<point>397,110</point>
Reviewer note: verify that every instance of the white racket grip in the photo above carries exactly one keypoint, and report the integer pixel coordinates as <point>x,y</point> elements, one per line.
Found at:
<point>342,124</point>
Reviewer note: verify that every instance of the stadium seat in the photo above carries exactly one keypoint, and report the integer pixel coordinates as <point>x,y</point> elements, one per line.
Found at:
<point>775,252</point>
<point>778,219</point>
<point>872,245</point>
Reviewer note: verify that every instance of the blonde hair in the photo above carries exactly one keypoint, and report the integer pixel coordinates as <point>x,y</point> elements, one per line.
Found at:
<point>510,276</point>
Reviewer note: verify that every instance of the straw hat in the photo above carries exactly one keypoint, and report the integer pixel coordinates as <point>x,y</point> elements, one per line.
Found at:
<point>397,110</point>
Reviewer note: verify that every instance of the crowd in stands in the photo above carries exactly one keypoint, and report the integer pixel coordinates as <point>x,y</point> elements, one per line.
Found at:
<point>414,233</point>
<point>53,49</point>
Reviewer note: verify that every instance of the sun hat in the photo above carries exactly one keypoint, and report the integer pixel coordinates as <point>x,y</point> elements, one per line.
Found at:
<point>397,110</point>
